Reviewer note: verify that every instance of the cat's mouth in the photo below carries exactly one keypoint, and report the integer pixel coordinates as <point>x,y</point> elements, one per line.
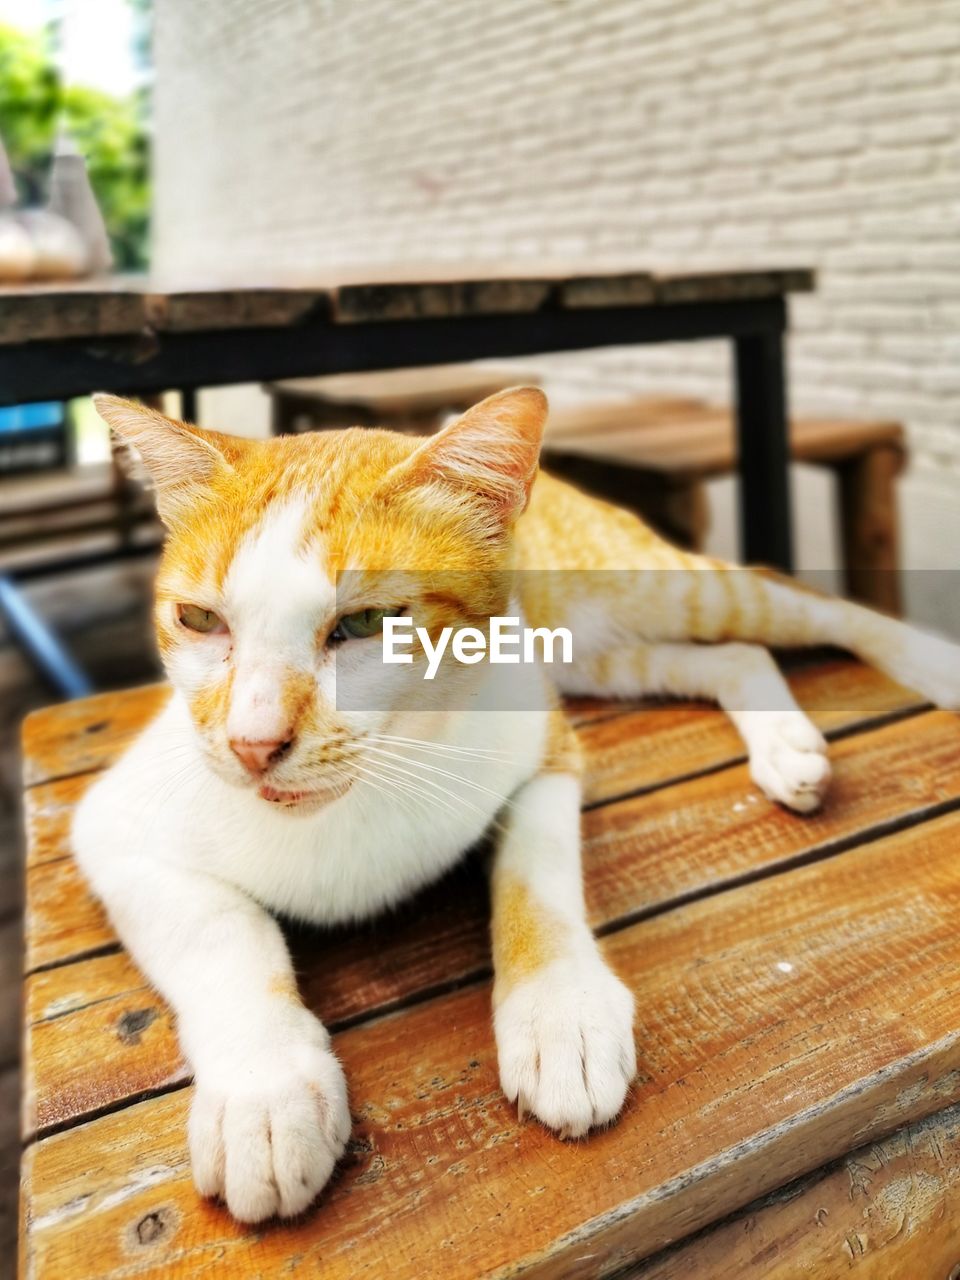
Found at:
<point>301,801</point>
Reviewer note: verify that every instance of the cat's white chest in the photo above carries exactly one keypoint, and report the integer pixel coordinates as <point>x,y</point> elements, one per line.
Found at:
<point>361,854</point>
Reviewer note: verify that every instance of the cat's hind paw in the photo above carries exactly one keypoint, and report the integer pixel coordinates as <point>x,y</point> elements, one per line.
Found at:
<point>788,759</point>
<point>266,1142</point>
<point>565,1045</point>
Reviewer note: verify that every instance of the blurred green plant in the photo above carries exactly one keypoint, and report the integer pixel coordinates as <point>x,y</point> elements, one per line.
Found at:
<point>109,131</point>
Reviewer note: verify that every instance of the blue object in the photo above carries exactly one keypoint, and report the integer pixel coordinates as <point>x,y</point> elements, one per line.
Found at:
<point>31,417</point>
<point>41,643</point>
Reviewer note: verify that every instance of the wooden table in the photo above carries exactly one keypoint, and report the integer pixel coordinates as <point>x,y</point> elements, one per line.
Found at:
<point>132,335</point>
<point>798,986</point>
<point>139,336</point>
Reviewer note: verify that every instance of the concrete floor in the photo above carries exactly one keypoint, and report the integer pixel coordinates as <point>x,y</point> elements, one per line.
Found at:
<point>104,617</point>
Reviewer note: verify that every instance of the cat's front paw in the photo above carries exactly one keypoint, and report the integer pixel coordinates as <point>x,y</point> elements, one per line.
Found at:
<point>788,759</point>
<point>565,1045</point>
<point>266,1133</point>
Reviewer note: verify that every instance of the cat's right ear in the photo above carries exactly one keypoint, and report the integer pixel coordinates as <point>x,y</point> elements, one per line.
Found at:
<point>491,452</point>
<point>181,460</point>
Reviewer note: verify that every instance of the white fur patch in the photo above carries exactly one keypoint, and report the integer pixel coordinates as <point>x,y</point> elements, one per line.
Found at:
<point>277,598</point>
<point>276,592</point>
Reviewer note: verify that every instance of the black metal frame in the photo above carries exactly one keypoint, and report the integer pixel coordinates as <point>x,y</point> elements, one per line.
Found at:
<point>319,345</point>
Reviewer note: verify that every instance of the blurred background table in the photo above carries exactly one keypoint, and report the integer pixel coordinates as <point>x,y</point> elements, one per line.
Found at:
<point>127,335</point>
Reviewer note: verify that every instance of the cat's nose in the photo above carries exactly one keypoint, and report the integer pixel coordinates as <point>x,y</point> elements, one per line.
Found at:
<point>257,757</point>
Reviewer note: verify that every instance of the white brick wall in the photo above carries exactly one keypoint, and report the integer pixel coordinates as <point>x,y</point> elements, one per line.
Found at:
<point>296,134</point>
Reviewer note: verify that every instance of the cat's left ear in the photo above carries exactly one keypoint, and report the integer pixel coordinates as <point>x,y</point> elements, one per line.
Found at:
<point>180,459</point>
<point>493,450</point>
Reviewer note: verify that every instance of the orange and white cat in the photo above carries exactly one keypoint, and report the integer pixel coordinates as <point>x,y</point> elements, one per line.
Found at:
<point>253,792</point>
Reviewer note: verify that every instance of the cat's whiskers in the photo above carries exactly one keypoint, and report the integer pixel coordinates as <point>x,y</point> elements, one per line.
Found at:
<point>367,777</point>
<point>425,788</point>
<point>401,790</point>
<point>412,801</point>
<point>503,800</point>
<point>396,765</point>
<point>491,754</point>
<point>461,801</point>
<point>169,785</point>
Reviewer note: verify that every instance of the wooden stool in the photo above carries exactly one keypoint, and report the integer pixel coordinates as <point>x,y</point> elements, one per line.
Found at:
<point>414,400</point>
<point>790,1018</point>
<point>654,455</point>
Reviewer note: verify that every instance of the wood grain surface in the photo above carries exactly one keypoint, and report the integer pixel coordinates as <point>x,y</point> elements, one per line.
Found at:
<point>627,755</point>
<point>889,1209</point>
<point>798,984</point>
<point>131,306</point>
<point>78,737</point>
<point>641,856</point>
<point>47,814</point>
<point>750,1074</point>
<point>698,440</point>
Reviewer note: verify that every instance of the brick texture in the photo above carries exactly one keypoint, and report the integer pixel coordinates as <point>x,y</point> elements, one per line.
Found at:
<point>297,134</point>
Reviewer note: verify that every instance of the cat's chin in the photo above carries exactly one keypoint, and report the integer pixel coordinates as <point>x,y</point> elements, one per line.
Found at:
<point>301,802</point>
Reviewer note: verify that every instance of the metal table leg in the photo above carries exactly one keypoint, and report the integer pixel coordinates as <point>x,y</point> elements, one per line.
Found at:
<point>40,643</point>
<point>764,450</point>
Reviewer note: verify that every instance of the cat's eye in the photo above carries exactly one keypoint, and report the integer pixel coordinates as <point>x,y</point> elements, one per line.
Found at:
<point>359,625</point>
<point>195,618</point>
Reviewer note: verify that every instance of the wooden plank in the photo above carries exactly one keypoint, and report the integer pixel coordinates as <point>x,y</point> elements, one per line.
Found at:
<point>89,734</point>
<point>740,1089</point>
<point>697,440</point>
<point>616,740</point>
<point>64,921</point>
<point>642,855</point>
<point>418,300</point>
<point>408,393</point>
<point>47,814</point>
<point>43,490</point>
<point>623,417</point>
<point>136,1020</point>
<point>662,743</point>
<point>86,309</point>
<point>878,1212</point>
<point>718,285</point>
<point>630,289</point>
<point>626,288</point>
<point>128,305</point>
<point>196,310</point>
<point>76,737</point>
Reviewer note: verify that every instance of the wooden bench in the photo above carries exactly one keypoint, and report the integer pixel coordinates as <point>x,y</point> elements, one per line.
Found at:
<point>798,987</point>
<point>414,400</point>
<point>651,454</point>
<point>655,454</point>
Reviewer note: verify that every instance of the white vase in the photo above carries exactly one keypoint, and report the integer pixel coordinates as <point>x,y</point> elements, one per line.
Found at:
<point>71,196</point>
<point>60,252</point>
<point>16,251</point>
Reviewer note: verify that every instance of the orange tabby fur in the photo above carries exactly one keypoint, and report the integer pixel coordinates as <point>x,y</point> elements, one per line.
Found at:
<point>260,533</point>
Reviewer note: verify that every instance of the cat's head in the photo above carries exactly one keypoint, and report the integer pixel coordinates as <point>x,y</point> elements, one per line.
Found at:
<point>281,556</point>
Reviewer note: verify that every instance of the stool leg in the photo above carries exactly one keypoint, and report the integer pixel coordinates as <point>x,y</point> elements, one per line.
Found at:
<point>682,512</point>
<point>868,525</point>
<point>281,415</point>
